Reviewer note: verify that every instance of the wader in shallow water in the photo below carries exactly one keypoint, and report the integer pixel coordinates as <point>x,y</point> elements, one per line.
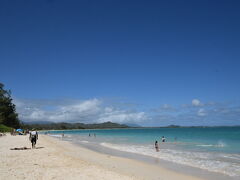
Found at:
<point>33,138</point>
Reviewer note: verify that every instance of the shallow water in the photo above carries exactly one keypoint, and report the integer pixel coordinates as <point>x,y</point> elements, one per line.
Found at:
<point>212,149</point>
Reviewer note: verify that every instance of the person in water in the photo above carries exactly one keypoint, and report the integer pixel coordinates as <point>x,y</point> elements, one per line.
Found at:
<point>163,139</point>
<point>33,137</point>
<point>156,146</point>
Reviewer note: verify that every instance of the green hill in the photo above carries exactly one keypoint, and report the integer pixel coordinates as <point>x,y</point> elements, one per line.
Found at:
<point>63,125</point>
<point>4,128</point>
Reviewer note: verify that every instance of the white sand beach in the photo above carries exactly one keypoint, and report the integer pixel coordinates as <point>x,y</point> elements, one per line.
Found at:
<point>55,159</point>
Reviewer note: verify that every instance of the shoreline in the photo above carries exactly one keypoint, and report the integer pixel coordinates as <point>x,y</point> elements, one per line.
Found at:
<point>55,159</point>
<point>175,167</point>
<point>172,166</point>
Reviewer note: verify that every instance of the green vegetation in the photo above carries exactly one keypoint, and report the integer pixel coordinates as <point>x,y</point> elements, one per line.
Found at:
<point>8,115</point>
<point>63,126</point>
<point>4,128</point>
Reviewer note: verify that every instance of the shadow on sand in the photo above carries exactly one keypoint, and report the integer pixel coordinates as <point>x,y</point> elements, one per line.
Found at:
<point>21,148</point>
<point>39,147</point>
<point>25,148</point>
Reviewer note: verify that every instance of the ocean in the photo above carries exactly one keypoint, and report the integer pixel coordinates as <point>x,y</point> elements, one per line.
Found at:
<point>214,149</point>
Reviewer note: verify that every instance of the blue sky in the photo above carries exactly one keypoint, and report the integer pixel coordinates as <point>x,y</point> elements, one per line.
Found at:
<point>145,62</point>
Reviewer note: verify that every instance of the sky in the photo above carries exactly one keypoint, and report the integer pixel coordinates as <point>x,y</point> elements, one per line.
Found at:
<point>151,62</point>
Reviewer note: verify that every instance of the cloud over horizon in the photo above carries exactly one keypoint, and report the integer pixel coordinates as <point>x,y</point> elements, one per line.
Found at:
<point>196,102</point>
<point>87,111</point>
<point>99,110</point>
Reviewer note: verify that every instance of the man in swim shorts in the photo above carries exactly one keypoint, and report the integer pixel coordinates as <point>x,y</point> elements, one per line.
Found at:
<point>33,137</point>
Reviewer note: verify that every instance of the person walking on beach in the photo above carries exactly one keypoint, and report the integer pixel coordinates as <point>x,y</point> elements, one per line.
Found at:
<point>156,146</point>
<point>33,137</point>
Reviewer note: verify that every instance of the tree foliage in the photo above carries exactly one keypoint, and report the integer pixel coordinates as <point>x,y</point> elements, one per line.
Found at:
<point>8,115</point>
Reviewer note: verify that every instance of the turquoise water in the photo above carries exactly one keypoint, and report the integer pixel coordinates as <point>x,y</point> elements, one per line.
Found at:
<point>212,149</point>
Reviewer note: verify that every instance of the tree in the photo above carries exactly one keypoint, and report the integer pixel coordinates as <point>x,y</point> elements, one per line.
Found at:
<point>8,115</point>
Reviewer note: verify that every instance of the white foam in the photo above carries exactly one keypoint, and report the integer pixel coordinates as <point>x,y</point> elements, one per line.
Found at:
<point>55,135</point>
<point>204,160</point>
<point>220,144</point>
<point>205,145</point>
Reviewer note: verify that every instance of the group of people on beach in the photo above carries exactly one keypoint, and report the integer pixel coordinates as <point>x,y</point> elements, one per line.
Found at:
<point>156,143</point>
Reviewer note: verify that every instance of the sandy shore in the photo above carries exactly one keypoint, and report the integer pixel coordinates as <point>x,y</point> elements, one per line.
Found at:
<point>55,159</point>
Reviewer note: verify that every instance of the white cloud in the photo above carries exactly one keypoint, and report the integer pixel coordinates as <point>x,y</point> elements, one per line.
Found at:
<point>37,114</point>
<point>122,117</point>
<point>96,111</point>
<point>108,110</point>
<point>201,112</point>
<point>85,106</point>
<point>196,102</point>
<point>33,110</point>
<point>166,106</point>
<point>88,111</point>
<point>18,103</point>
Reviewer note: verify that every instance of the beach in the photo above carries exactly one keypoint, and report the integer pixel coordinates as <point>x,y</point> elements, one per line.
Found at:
<point>55,159</point>
<point>195,151</point>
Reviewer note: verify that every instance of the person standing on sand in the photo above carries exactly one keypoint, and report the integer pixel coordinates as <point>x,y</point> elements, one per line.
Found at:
<point>33,137</point>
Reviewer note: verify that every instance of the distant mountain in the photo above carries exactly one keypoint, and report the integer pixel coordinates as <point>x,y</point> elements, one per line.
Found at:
<point>45,125</point>
<point>173,126</point>
<point>104,125</point>
<point>132,125</point>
